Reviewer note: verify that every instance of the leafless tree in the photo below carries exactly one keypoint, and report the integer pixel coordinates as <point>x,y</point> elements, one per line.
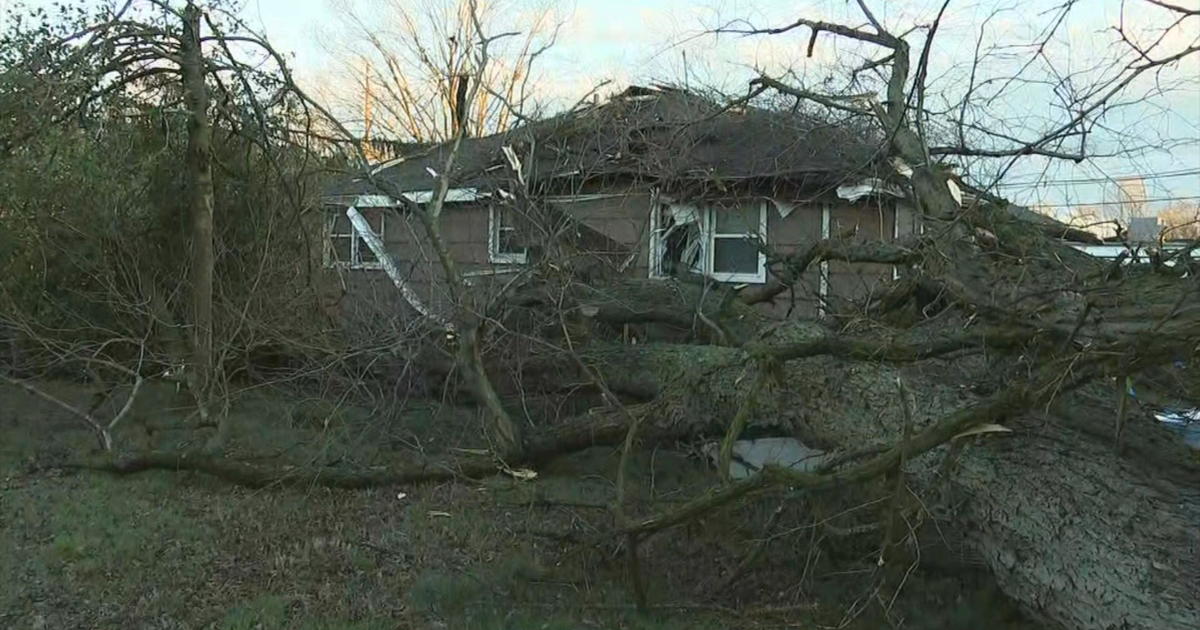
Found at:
<point>985,391</point>
<point>409,68</point>
<point>1180,222</point>
<point>174,56</point>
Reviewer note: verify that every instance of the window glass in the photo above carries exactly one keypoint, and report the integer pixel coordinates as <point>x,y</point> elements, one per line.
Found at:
<point>374,217</point>
<point>365,255</point>
<point>735,255</point>
<point>722,240</point>
<point>341,223</point>
<point>736,219</point>
<point>509,243</point>
<point>507,240</point>
<point>341,249</point>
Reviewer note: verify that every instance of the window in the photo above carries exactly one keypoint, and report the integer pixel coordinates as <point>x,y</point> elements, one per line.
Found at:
<point>505,245</point>
<point>736,236</point>
<point>676,245</point>
<point>346,248</point>
<point>720,240</point>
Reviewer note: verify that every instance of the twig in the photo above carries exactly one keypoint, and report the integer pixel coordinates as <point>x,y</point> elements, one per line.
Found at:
<point>756,553</point>
<point>898,491</point>
<point>102,434</point>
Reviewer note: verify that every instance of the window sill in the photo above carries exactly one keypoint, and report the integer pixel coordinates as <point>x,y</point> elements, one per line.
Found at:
<point>355,267</point>
<point>499,271</point>
<point>735,279</point>
<point>738,278</point>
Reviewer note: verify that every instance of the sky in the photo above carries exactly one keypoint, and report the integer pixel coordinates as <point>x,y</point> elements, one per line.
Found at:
<point>641,41</point>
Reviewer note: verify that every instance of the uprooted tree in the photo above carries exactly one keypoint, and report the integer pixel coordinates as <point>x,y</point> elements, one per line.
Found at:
<point>1015,349</point>
<point>986,389</point>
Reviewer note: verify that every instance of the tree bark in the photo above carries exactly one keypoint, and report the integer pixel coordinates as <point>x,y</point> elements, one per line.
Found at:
<point>1079,533</point>
<point>199,162</point>
<point>592,429</point>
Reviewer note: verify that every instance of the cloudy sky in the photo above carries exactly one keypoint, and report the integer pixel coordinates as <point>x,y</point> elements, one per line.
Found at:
<point>632,41</point>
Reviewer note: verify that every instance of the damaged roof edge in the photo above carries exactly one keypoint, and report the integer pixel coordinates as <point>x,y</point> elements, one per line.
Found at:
<point>454,195</point>
<point>661,133</point>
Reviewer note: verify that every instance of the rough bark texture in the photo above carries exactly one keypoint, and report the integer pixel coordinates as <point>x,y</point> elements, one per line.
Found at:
<point>199,162</point>
<point>1083,535</point>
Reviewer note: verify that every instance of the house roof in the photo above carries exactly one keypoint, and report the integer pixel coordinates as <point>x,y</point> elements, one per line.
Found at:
<point>665,135</point>
<point>657,134</point>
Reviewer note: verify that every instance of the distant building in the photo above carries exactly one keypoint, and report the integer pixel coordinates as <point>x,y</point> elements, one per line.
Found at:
<point>1130,198</point>
<point>1144,230</point>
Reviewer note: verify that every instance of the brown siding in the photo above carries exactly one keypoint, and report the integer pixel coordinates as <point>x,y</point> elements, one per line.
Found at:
<point>624,219</point>
<point>370,296</point>
<point>862,222</point>
<point>786,236</point>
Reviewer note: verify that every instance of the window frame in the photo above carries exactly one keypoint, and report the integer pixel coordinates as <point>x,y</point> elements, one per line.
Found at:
<point>708,237</point>
<point>658,235</point>
<point>711,235</point>
<point>357,243</point>
<point>657,245</point>
<point>495,227</point>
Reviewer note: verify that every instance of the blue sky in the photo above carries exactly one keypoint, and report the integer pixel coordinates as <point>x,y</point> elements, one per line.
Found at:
<point>630,41</point>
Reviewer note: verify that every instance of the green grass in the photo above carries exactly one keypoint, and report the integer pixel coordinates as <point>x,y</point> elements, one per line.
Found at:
<point>171,550</point>
<point>181,550</point>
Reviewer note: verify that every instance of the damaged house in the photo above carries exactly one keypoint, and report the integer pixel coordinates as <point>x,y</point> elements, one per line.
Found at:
<point>654,183</point>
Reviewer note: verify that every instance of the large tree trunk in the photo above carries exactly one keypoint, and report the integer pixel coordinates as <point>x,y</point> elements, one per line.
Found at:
<point>1081,534</point>
<point>199,162</point>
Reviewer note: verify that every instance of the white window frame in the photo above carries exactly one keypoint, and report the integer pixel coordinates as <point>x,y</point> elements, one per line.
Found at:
<point>708,236</point>
<point>654,251</point>
<point>710,241</point>
<point>357,244</point>
<point>495,226</point>
<point>823,284</point>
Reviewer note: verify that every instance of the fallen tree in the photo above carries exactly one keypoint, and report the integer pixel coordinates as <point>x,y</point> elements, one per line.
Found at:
<point>1011,424</point>
<point>1022,437</point>
<point>1083,533</point>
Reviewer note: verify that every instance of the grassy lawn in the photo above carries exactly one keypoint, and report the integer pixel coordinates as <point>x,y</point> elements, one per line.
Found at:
<point>181,550</point>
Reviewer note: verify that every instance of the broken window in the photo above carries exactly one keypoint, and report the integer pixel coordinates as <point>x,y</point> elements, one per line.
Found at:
<point>676,241</point>
<point>505,244</point>
<point>346,248</point>
<point>722,241</point>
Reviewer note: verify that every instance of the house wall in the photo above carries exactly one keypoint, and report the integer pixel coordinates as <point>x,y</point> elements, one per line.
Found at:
<point>872,221</point>
<point>367,297</point>
<point>624,218</point>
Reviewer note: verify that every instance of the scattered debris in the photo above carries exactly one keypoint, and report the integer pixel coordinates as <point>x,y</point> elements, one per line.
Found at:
<point>750,456</point>
<point>1185,422</point>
